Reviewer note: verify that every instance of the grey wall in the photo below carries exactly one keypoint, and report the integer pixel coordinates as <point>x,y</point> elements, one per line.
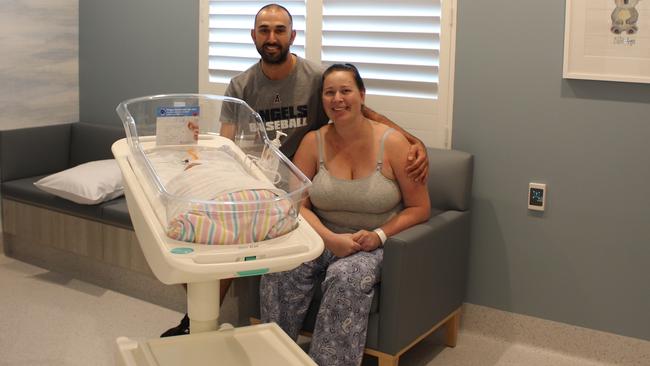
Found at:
<point>38,63</point>
<point>133,48</point>
<point>586,260</point>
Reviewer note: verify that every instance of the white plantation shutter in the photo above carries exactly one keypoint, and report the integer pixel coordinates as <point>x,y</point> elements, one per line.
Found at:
<point>394,44</point>
<point>231,49</point>
<point>404,50</point>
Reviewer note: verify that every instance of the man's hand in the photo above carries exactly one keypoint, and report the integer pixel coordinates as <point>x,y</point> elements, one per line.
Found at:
<point>369,240</point>
<point>417,166</point>
<point>342,245</point>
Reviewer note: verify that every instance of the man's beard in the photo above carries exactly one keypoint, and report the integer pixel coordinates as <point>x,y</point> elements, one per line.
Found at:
<point>273,59</point>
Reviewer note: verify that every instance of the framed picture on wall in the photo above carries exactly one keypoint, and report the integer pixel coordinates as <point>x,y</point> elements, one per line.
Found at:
<point>607,40</point>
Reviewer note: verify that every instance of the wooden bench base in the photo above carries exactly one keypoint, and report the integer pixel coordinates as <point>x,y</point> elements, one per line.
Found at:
<point>98,253</point>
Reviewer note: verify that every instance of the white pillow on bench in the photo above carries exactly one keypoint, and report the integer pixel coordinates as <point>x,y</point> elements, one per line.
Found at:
<point>87,184</point>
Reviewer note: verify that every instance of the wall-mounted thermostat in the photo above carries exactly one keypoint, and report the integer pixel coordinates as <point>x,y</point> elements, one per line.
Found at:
<point>536,196</point>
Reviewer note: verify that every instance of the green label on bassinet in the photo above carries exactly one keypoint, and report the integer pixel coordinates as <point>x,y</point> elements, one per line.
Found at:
<point>254,272</point>
<point>182,250</point>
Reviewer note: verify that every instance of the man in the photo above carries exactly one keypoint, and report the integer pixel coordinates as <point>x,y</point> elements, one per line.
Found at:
<point>285,90</point>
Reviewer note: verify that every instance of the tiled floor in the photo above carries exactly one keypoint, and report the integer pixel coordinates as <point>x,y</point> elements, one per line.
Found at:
<point>476,349</point>
<point>50,319</point>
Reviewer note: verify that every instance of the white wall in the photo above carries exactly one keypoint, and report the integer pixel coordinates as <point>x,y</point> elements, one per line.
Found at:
<point>39,66</point>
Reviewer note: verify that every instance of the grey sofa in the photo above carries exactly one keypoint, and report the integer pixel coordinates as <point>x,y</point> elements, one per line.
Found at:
<point>424,272</point>
<point>95,243</point>
<point>423,275</point>
<point>29,154</point>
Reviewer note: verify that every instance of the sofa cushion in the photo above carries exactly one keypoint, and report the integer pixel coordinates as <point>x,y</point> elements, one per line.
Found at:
<point>23,190</point>
<point>113,212</point>
<point>92,141</point>
<point>27,152</point>
<point>117,213</point>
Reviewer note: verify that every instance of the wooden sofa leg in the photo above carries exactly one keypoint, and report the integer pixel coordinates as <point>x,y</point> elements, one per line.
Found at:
<point>387,360</point>
<point>452,329</point>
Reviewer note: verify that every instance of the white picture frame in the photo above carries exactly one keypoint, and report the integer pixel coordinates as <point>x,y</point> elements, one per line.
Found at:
<point>598,48</point>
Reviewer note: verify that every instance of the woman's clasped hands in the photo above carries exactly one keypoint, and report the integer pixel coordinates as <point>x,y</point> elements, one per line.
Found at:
<point>343,245</point>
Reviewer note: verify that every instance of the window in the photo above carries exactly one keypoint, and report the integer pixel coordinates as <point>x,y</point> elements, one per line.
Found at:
<point>403,49</point>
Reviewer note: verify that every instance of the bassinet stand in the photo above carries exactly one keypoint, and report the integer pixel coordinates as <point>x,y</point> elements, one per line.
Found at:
<point>201,268</point>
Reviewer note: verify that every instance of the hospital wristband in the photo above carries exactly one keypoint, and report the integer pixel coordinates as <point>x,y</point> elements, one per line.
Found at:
<point>381,234</point>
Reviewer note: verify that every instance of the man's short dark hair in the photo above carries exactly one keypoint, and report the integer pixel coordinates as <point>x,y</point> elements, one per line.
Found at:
<point>277,7</point>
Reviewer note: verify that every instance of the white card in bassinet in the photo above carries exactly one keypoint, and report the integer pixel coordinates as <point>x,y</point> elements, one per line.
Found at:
<point>177,125</point>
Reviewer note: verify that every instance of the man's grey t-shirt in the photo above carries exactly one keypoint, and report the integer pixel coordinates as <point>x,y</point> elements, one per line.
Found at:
<point>292,105</point>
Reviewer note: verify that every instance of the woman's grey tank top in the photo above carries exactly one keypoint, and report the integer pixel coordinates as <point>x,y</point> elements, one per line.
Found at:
<point>348,205</point>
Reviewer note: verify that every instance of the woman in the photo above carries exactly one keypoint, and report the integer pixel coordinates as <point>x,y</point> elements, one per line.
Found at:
<point>360,195</point>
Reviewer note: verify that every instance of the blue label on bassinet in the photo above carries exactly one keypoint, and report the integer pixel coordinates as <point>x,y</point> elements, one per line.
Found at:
<point>177,111</point>
<point>182,250</point>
